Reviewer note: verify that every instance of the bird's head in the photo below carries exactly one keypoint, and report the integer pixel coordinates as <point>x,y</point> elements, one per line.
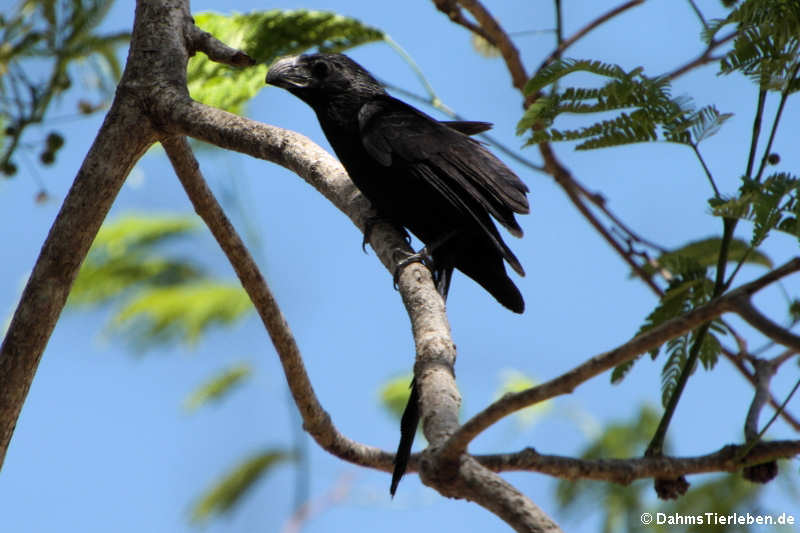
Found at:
<point>322,76</point>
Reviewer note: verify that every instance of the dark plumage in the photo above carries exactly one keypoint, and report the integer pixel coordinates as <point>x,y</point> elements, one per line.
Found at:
<point>423,175</point>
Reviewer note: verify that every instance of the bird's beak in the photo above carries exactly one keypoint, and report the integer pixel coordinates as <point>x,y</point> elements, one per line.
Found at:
<point>288,73</point>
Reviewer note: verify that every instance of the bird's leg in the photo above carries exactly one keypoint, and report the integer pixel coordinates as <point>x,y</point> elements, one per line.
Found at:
<point>369,225</point>
<point>424,256</point>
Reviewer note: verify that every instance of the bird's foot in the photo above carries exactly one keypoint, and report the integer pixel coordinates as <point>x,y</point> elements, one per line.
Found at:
<point>369,225</point>
<point>423,256</point>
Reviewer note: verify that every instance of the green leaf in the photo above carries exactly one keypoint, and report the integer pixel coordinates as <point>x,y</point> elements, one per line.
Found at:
<point>124,256</point>
<point>181,313</point>
<point>218,386</point>
<point>138,231</point>
<point>771,204</point>
<point>266,36</point>
<point>677,355</point>
<point>705,253</point>
<point>693,128</point>
<point>394,394</point>
<point>229,491</point>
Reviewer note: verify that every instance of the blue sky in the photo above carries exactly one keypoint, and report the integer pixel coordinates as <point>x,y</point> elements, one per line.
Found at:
<point>103,443</point>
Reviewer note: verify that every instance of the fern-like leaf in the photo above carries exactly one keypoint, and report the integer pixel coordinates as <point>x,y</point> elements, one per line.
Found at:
<point>647,110</point>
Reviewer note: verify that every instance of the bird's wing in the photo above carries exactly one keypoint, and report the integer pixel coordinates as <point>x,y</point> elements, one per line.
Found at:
<point>459,168</point>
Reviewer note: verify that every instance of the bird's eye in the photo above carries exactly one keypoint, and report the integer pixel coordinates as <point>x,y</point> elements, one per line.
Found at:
<point>320,69</point>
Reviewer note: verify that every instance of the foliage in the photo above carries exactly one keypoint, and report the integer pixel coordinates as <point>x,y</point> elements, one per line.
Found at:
<point>181,312</point>
<point>157,298</point>
<point>690,288</point>
<point>44,45</point>
<point>394,394</point>
<point>766,45</point>
<point>218,386</point>
<point>228,491</point>
<point>771,204</point>
<point>656,115</point>
<point>266,36</point>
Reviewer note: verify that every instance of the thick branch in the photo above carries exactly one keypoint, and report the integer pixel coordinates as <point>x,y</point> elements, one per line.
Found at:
<point>625,471</point>
<point>121,141</point>
<point>600,363</point>
<point>315,420</point>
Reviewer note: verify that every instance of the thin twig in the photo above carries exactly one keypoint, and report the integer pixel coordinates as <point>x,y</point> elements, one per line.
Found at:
<point>699,14</point>
<point>706,170</point>
<point>704,58</point>
<point>778,113</point>
<point>563,45</point>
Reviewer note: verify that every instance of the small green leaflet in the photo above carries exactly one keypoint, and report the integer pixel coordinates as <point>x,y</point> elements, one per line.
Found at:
<point>181,313</point>
<point>228,491</point>
<point>394,394</point>
<point>266,36</point>
<point>126,255</point>
<point>218,386</point>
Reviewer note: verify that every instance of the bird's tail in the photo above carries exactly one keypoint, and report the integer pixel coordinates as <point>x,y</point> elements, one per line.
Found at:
<point>487,269</point>
<point>408,429</point>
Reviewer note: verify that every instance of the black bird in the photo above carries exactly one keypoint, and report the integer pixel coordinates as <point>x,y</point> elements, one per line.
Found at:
<point>421,174</point>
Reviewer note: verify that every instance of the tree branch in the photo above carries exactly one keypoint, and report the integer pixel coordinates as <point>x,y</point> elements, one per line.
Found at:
<point>624,471</point>
<point>216,50</point>
<point>770,329</point>
<point>600,363</point>
<point>605,17</point>
<point>315,420</point>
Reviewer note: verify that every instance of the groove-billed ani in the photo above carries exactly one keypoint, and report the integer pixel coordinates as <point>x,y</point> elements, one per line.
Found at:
<point>420,174</point>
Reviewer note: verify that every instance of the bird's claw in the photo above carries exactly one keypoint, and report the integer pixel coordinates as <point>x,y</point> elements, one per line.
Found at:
<point>420,257</point>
